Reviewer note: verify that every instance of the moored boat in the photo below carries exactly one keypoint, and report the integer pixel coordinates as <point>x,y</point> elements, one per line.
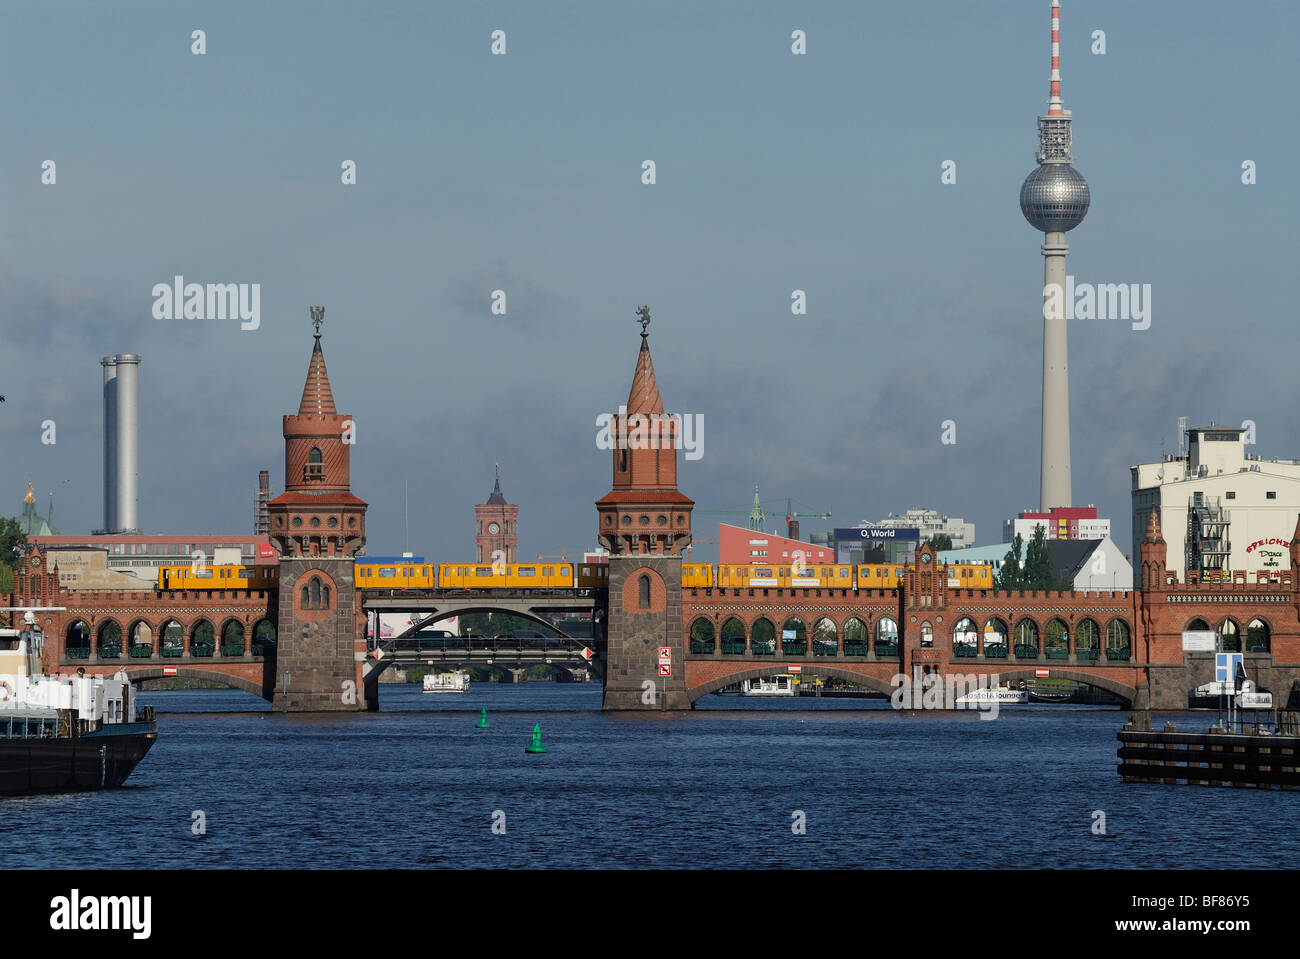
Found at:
<point>457,682</point>
<point>64,734</point>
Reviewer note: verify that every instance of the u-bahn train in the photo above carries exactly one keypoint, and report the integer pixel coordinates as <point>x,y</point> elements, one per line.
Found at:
<point>218,577</point>
<point>414,573</point>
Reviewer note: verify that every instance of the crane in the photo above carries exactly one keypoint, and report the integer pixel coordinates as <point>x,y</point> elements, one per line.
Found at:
<point>561,557</point>
<point>757,519</point>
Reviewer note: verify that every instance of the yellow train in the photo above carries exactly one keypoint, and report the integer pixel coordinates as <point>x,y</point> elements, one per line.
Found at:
<point>218,577</point>
<point>385,573</point>
<point>379,573</point>
<point>785,577</point>
<point>506,576</point>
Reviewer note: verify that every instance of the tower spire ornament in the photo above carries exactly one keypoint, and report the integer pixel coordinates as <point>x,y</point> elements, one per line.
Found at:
<point>1055,199</point>
<point>644,314</point>
<point>317,318</point>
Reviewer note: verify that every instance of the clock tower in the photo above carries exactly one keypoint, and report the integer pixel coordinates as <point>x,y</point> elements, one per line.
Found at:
<point>497,523</point>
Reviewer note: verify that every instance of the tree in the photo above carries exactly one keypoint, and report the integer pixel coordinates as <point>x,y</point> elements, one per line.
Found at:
<point>13,542</point>
<point>1012,574</point>
<point>942,541</point>
<point>1038,572</point>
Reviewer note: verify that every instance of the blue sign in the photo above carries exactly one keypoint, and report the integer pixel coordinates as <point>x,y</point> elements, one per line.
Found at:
<point>869,533</point>
<point>1225,667</point>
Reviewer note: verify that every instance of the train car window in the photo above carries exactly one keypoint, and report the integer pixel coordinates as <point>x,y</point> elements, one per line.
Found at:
<point>565,570</point>
<point>204,574</point>
<point>527,571</point>
<point>482,570</point>
<point>388,572</point>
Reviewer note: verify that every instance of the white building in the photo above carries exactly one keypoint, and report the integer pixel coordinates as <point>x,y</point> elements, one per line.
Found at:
<point>1220,507</point>
<point>931,523</point>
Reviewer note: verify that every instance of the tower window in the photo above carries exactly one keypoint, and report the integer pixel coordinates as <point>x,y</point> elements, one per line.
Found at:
<point>315,468</point>
<point>622,460</point>
<point>645,591</point>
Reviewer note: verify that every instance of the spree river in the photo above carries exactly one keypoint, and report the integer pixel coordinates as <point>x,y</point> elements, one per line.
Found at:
<point>415,785</point>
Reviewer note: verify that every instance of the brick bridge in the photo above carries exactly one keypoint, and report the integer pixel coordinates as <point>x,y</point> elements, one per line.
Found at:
<point>303,645</point>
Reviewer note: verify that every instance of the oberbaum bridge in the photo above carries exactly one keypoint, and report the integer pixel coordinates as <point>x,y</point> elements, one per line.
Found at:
<point>1126,642</point>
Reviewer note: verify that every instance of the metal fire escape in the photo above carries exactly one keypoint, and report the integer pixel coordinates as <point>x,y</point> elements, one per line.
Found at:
<point>1208,546</point>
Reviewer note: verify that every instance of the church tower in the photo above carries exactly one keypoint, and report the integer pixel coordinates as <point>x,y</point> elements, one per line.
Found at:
<point>498,527</point>
<point>318,527</point>
<point>1153,554</point>
<point>645,523</point>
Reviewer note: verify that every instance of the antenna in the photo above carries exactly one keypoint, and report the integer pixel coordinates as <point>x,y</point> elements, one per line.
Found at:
<point>407,508</point>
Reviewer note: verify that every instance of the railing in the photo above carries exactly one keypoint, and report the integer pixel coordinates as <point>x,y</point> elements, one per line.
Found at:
<point>761,647</point>
<point>1087,654</point>
<point>733,647</point>
<point>794,647</point>
<point>855,647</point>
<point>110,652</point>
<point>701,646</point>
<point>886,649</point>
<point>1123,654</point>
<point>995,651</point>
<point>1026,651</point>
<point>77,652</point>
<point>1057,652</point>
<point>141,651</point>
<point>965,650</point>
<point>821,648</point>
<point>227,650</point>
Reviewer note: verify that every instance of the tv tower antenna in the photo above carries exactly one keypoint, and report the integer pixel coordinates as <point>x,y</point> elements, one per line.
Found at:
<point>1055,199</point>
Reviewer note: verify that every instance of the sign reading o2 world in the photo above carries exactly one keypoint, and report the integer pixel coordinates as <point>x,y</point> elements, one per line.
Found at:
<point>876,532</point>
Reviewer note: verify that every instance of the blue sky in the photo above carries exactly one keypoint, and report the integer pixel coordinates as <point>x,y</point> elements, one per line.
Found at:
<point>522,172</point>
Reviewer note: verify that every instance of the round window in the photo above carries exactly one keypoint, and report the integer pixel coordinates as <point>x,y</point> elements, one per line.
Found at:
<point>645,520</point>
<point>661,520</point>
<point>333,521</point>
<point>297,521</point>
<point>315,521</point>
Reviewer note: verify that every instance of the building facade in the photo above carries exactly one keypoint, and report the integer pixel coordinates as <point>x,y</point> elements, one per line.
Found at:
<point>1061,522</point>
<point>740,546</point>
<point>1219,507</point>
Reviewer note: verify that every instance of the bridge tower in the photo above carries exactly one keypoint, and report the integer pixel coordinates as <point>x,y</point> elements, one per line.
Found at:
<point>645,523</point>
<point>318,526</point>
<point>498,527</point>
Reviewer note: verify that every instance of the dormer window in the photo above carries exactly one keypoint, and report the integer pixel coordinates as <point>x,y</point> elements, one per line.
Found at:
<point>315,468</point>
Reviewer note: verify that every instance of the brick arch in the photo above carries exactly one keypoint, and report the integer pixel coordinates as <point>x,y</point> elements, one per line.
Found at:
<point>750,671</point>
<point>258,687</point>
<point>631,598</point>
<point>1128,693</point>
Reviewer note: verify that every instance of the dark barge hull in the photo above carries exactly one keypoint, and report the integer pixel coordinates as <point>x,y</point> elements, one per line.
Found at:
<point>97,760</point>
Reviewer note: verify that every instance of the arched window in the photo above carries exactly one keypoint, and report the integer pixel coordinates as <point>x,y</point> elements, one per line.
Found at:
<point>306,598</point>
<point>315,593</point>
<point>644,586</point>
<point>702,636</point>
<point>315,468</point>
<point>325,597</point>
<point>622,460</point>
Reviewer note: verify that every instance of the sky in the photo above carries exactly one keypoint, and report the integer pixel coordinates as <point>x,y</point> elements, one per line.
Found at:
<point>522,172</point>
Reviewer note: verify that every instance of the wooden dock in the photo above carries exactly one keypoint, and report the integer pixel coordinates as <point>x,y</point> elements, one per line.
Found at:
<point>1209,759</point>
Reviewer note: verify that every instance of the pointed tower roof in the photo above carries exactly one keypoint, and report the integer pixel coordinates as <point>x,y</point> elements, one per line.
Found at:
<point>1153,528</point>
<point>30,497</point>
<point>496,499</point>
<point>644,397</point>
<point>317,397</point>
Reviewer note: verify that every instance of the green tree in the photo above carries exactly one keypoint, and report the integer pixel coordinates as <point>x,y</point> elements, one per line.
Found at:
<point>13,542</point>
<point>1011,576</point>
<point>942,541</point>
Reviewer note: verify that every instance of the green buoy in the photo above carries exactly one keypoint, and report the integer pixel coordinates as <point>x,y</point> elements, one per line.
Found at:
<point>536,746</point>
<point>482,719</point>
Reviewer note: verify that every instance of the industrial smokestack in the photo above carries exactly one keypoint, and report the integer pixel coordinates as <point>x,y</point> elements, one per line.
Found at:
<point>109,363</point>
<point>121,443</point>
<point>262,516</point>
<point>128,443</point>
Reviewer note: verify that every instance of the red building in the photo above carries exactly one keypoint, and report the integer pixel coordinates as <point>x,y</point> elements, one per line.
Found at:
<point>738,546</point>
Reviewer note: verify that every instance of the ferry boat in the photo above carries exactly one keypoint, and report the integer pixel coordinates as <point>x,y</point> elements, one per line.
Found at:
<point>457,682</point>
<point>64,734</point>
<point>1001,695</point>
<point>780,685</point>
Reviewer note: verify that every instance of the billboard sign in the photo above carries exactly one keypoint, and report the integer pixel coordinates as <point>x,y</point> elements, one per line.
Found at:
<point>875,533</point>
<point>1199,641</point>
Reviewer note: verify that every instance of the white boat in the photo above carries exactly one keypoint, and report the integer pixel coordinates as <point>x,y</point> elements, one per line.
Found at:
<point>1001,695</point>
<point>781,685</point>
<point>457,682</point>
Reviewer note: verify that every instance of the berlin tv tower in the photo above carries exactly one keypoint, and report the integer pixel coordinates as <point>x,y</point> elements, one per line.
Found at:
<point>1054,199</point>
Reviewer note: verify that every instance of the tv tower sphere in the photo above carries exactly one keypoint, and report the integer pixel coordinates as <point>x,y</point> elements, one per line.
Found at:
<point>1054,198</point>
